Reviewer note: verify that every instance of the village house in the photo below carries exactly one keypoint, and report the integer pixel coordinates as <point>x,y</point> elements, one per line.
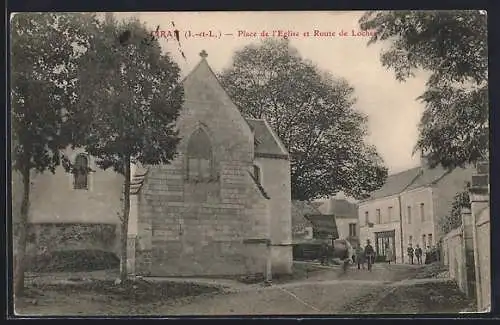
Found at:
<point>418,197</point>
<point>221,207</point>
<point>309,223</point>
<point>346,218</point>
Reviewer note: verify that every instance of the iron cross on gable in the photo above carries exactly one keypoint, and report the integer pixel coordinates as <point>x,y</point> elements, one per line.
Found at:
<point>203,54</point>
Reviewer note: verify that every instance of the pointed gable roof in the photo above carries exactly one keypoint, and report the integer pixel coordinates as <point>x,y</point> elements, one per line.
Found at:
<point>429,177</point>
<point>267,143</point>
<point>199,76</point>
<point>395,183</point>
<point>408,180</point>
<point>324,225</point>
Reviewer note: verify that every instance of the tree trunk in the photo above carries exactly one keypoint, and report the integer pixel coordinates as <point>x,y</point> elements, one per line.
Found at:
<point>19,259</point>
<point>124,225</point>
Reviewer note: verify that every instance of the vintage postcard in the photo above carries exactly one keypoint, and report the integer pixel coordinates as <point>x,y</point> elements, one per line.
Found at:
<point>250,163</point>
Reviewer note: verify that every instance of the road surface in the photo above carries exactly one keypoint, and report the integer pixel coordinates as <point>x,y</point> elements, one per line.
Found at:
<point>328,291</point>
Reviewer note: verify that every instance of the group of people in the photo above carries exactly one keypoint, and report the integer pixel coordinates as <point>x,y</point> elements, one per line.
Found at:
<point>362,256</point>
<point>431,254</point>
<point>365,255</point>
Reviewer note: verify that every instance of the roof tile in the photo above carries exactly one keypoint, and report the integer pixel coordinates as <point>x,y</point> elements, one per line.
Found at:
<point>265,142</point>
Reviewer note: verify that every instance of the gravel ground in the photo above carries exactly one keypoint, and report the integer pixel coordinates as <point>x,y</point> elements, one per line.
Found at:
<point>325,291</point>
<point>415,296</point>
<point>300,300</point>
<point>104,297</point>
<point>425,298</point>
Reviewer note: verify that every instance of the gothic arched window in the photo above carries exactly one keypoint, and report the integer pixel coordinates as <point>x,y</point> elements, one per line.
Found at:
<point>199,156</point>
<point>81,172</point>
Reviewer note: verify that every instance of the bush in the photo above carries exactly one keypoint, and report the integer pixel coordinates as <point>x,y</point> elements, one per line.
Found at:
<point>73,261</point>
<point>432,256</point>
<point>454,219</point>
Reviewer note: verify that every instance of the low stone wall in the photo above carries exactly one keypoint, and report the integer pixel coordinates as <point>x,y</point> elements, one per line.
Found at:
<point>454,246</point>
<point>483,280</point>
<point>466,250</point>
<point>73,236</point>
<point>479,193</point>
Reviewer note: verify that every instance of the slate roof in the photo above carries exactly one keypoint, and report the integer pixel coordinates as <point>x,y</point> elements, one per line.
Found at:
<point>324,225</point>
<point>408,180</point>
<point>267,143</point>
<point>342,208</point>
<point>429,177</point>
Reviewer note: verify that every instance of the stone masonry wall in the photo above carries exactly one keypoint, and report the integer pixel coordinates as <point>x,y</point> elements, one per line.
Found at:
<point>483,243</point>
<point>456,257</point>
<point>480,210</point>
<point>188,228</point>
<point>276,181</point>
<point>61,237</point>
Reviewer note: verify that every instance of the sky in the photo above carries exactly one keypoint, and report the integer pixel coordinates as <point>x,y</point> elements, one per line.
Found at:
<point>392,109</point>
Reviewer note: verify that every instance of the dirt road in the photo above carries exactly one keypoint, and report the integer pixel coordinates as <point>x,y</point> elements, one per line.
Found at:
<point>326,292</point>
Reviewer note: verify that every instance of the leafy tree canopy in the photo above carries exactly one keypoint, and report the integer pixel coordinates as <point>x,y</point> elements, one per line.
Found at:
<point>44,72</point>
<point>129,98</point>
<point>312,113</point>
<point>454,219</point>
<point>452,46</point>
<point>46,50</point>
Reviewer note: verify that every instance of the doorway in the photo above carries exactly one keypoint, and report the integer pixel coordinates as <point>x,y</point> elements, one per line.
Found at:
<point>385,239</point>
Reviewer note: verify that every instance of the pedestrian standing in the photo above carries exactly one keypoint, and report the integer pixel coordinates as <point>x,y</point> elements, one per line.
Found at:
<point>409,251</point>
<point>418,254</point>
<point>428,255</point>
<point>389,254</point>
<point>324,253</point>
<point>369,255</point>
<point>360,257</point>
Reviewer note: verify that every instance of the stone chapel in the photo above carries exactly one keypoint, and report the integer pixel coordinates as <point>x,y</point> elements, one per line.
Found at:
<point>221,207</point>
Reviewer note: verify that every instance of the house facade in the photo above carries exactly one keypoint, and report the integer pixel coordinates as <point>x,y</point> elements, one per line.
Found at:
<point>74,212</point>
<point>221,207</point>
<point>407,209</point>
<point>346,218</point>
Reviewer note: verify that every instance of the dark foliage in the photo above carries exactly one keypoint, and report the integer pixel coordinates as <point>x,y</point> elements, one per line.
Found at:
<point>452,46</point>
<point>312,113</point>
